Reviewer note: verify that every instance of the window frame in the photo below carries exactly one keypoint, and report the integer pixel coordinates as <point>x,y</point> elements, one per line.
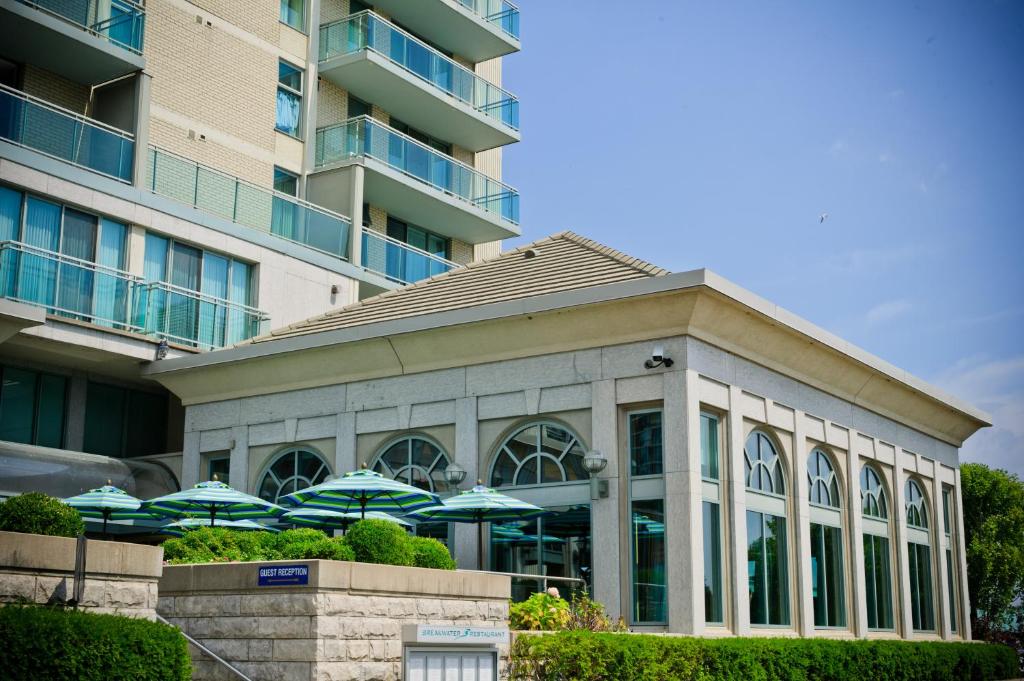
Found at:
<point>408,438</point>
<point>304,21</point>
<point>293,449</point>
<point>499,451</point>
<point>300,93</point>
<point>713,497</point>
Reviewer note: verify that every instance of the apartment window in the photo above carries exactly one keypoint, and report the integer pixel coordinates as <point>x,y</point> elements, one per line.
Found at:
<point>647,544</point>
<point>289,99</point>
<point>32,407</point>
<point>645,443</point>
<point>285,182</point>
<point>293,13</point>
<point>767,556</point>
<point>219,467</point>
<point>357,107</point>
<point>877,554</point>
<point>122,422</point>
<point>714,609</point>
<point>420,136</point>
<point>919,555</point>
<point>417,237</point>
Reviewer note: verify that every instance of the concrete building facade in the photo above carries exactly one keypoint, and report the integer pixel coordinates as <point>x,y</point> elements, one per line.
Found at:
<point>178,176</point>
<point>762,476</point>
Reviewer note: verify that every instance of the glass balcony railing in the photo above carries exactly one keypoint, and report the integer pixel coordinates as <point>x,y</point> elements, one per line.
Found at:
<point>49,129</point>
<point>366,31</point>
<point>88,292</point>
<point>399,261</point>
<point>120,21</point>
<point>191,318</point>
<point>247,204</point>
<point>502,14</point>
<point>363,136</point>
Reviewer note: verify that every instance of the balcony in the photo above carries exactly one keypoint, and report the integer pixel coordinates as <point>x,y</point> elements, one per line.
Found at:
<point>417,183</point>
<point>380,63</point>
<point>475,29</point>
<point>36,124</point>
<point>399,261</point>
<point>87,292</point>
<point>87,41</point>
<point>247,204</point>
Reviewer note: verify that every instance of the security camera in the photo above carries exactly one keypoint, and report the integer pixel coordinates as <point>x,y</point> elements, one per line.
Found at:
<point>658,358</point>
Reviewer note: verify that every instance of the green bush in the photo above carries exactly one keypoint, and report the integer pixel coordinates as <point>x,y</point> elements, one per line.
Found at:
<point>307,543</point>
<point>380,541</point>
<point>543,611</point>
<point>221,545</point>
<point>57,644</point>
<point>37,513</point>
<point>588,656</point>
<point>427,552</point>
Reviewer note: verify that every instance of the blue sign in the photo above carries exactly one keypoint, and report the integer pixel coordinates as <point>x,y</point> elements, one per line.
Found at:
<point>283,575</point>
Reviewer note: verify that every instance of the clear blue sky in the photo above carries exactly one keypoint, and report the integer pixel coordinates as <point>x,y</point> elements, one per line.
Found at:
<point>714,134</point>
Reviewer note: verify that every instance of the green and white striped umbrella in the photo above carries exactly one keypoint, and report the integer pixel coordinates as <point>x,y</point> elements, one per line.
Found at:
<point>107,503</point>
<point>479,505</point>
<point>215,500</point>
<point>324,519</point>
<point>363,490</point>
<point>180,527</point>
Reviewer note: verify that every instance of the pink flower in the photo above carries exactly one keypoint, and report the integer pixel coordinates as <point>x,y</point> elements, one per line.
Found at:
<point>553,592</point>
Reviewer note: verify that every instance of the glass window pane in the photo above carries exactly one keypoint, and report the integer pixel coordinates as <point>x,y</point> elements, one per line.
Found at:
<point>50,414</point>
<point>648,550</point>
<point>709,446</point>
<point>289,76</point>
<point>645,443</point>
<point>756,583</point>
<point>104,419</point>
<point>713,608</point>
<point>221,468</point>
<point>17,405</point>
<point>146,423</point>
<point>951,590</point>
<point>285,182</point>
<point>767,569</point>
<point>293,13</point>
<point>827,583</point>
<point>878,582</point>
<point>10,214</point>
<point>921,604</point>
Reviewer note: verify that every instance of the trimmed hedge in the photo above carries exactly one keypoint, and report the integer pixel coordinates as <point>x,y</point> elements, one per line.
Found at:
<point>38,513</point>
<point>588,656</point>
<point>380,541</point>
<point>428,552</point>
<point>52,643</point>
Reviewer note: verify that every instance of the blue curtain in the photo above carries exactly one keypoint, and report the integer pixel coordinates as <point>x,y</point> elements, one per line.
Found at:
<point>183,307</point>
<point>37,274</point>
<point>75,281</point>
<point>240,325</point>
<point>112,298</point>
<point>151,310</point>
<point>288,107</point>
<point>10,230</point>
<point>213,315</point>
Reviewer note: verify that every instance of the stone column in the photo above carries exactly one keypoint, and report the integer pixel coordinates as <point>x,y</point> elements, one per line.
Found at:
<point>355,247</point>
<point>736,498</point>
<point>345,443</point>
<point>900,571</point>
<point>857,609</point>
<point>684,564</point>
<point>960,556</point>
<point>938,533</point>
<point>141,155</point>
<point>312,92</point>
<point>466,535</point>
<point>238,471</point>
<point>804,610</point>
<point>190,460</point>
<point>604,513</point>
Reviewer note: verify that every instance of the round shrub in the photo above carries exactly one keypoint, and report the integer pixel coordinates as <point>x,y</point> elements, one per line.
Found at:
<point>325,549</point>
<point>205,545</point>
<point>380,541</point>
<point>37,513</point>
<point>428,552</point>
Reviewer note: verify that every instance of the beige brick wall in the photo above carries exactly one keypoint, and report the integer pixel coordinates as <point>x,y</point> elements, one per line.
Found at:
<point>378,219</point>
<point>211,153</point>
<point>464,155</point>
<point>259,17</point>
<point>332,10</point>
<point>53,88</point>
<point>462,252</point>
<point>332,104</point>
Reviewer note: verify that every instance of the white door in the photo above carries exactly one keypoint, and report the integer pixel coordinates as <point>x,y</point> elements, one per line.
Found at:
<point>447,665</point>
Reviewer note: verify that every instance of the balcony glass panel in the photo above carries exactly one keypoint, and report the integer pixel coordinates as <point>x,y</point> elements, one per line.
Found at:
<point>36,124</point>
<point>247,204</point>
<point>195,319</point>
<point>364,136</point>
<point>502,14</point>
<point>119,21</point>
<point>367,31</point>
<point>399,261</point>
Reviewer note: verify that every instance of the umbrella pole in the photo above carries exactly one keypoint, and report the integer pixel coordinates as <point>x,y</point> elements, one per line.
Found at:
<point>480,545</point>
<point>106,514</point>
<point>213,515</point>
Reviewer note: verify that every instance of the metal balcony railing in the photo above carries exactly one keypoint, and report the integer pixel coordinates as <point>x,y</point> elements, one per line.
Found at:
<point>119,21</point>
<point>367,31</point>
<point>501,13</point>
<point>52,130</point>
<point>105,296</point>
<point>364,136</point>
<point>399,261</point>
<point>247,204</point>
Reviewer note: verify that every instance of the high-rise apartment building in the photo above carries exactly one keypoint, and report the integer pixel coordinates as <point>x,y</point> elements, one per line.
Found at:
<point>176,177</point>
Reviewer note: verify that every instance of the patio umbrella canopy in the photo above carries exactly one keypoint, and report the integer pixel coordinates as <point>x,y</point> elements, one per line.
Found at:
<point>479,505</point>
<point>363,490</point>
<point>215,500</point>
<point>324,519</point>
<point>107,503</point>
<point>180,527</point>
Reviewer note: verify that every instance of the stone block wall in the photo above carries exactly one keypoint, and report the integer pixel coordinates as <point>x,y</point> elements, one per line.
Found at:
<point>120,578</point>
<point>346,624</point>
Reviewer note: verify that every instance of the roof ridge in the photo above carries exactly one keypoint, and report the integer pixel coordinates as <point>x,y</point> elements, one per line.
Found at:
<point>614,254</point>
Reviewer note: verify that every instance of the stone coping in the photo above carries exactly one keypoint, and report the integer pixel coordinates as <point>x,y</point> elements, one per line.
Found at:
<point>334,575</point>
<point>38,552</point>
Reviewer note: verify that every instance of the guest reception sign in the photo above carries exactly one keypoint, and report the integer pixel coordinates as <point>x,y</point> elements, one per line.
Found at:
<point>283,575</point>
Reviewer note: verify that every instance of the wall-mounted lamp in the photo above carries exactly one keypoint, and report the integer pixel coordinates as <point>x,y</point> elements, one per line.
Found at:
<point>658,359</point>
<point>454,474</point>
<point>594,462</point>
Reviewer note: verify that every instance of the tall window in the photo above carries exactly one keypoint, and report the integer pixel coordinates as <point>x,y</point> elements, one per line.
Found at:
<point>123,422</point>
<point>767,553</point>
<point>415,461</point>
<point>399,266</point>
<point>647,533</point>
<point>291,471</point>
<point>919,559</point>
<point>951,582</point>
<point>877,561</point>
<point>286,182</point>
<point>714,608</point>
<point>289,99</point>
<point>293,13</point>
<point>32,407</point>
<point>827,568</point>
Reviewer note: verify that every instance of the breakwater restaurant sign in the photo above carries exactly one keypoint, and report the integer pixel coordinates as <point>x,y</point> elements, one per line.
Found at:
<point>451,652</point>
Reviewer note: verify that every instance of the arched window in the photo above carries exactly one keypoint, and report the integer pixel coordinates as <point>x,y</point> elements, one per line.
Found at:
<point>872,494</point>
<point>917,512</point>
<point>292,470</point>
<point>414,461</point>
<point>764,469</point>
<point>536,454</point>
<point>824,485</point>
